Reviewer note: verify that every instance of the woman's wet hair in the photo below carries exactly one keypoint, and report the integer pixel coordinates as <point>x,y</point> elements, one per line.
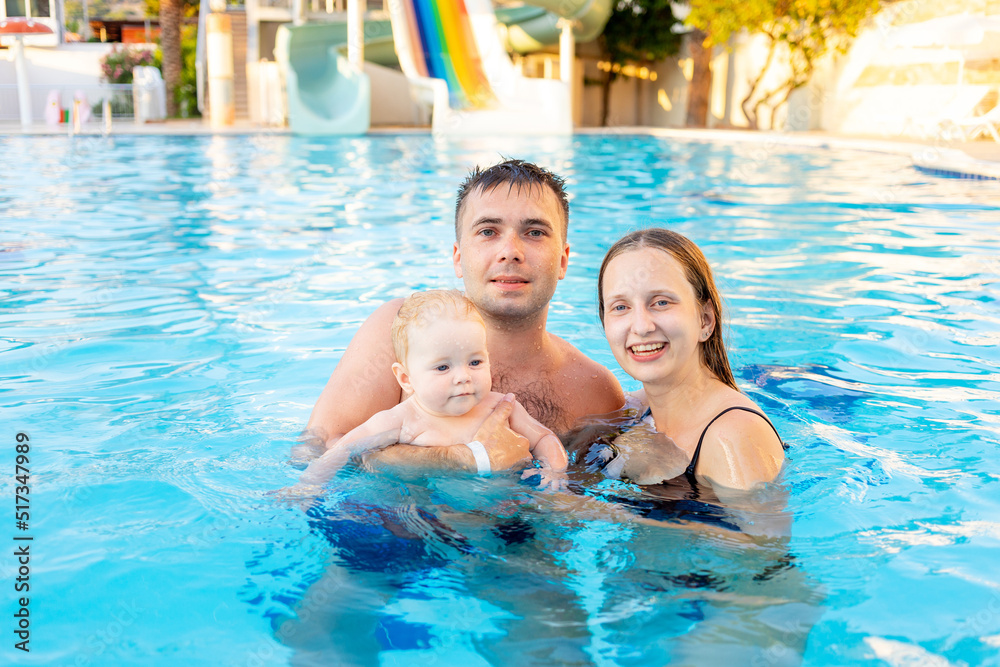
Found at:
<point>516,174</point>
<point>699,275</point>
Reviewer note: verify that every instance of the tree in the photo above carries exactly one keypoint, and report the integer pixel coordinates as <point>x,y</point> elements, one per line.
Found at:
<point>172,14</point>
<point>170,44</point>
<point>189,7</point>
<point>700,87</point>
<point>803,30</point>
<point>639,31</point>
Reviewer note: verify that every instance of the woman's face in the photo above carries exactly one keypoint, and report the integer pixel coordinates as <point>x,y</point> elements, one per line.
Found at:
<point>652,318</point>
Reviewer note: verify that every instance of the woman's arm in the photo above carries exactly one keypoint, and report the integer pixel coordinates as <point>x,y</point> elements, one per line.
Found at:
<point>740,451</point>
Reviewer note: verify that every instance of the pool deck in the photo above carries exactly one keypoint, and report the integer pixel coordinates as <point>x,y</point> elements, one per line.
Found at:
<point>971,159</point>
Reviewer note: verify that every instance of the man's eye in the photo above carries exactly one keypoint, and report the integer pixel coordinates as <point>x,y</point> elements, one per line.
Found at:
<point>487,232</point>
<point>536,233</point>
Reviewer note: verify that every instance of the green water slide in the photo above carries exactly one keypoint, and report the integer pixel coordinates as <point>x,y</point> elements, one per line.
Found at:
<point>535,24</point>
<point>325,95</point>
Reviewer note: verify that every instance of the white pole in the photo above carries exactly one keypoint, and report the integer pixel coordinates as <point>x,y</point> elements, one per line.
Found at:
<point>567,50</point>
<point>23,91</point>
<point>106,112</point>
<point>85,23</point>
<point>356,34</point>
<point>221,109</point>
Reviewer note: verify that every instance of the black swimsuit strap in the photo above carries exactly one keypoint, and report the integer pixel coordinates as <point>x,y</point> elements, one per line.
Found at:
<point>697,450</point>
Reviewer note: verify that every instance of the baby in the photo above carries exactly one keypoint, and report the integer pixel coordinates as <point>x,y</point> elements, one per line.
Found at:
<point>441,362</point>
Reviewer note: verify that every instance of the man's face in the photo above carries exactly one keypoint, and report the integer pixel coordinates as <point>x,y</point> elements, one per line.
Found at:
<point>510,251</point>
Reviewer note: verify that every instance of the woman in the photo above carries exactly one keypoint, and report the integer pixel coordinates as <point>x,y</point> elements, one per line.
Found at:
<point>662,316</point>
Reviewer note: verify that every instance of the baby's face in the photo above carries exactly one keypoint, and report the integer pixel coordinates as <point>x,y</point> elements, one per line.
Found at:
<point>448,366</point>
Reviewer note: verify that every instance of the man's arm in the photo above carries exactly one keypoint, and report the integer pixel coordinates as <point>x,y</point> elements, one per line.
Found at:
<point>362,384</point>
<point>505,448</point>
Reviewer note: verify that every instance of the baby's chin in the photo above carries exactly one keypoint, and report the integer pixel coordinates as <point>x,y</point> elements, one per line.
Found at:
<point>454,407</point>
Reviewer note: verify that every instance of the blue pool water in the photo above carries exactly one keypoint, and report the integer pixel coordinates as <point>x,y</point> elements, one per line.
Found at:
<point>171,308</point>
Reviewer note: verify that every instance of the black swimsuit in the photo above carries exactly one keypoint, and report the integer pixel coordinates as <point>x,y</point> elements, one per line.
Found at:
<point>689,472</point>
<point>668,500</point>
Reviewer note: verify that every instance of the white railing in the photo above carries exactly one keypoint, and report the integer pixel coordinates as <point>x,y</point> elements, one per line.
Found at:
<point>315,7</point>
<point>47,99</point>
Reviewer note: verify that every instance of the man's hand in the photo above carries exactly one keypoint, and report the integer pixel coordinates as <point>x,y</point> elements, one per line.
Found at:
<point>505,448</point>
<point>309,446</point>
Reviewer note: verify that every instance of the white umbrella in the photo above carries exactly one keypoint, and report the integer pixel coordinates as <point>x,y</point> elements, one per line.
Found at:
<point>18,27</point>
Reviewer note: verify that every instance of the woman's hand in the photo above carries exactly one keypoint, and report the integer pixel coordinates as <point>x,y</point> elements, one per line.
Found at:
<point>647,457</point>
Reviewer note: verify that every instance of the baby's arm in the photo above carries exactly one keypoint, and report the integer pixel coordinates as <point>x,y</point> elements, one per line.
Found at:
<point>545,447</point>
<point>381,430</point>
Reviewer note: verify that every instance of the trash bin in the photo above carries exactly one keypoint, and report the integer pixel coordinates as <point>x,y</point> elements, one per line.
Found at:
<point>149,95</point>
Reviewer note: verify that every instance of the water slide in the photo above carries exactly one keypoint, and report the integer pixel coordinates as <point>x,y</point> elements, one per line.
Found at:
<point>324,93</point>
<point>452,53</point>
<point>535,25</point>
<point>453,49</point>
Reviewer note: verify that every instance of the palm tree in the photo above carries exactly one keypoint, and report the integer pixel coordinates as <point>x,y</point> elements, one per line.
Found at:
<point>170,44</point>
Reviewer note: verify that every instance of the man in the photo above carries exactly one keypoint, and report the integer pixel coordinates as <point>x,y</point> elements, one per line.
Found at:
<point>511,251</point>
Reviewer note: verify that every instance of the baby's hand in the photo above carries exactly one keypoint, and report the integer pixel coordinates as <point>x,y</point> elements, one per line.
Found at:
<point>548,479</point>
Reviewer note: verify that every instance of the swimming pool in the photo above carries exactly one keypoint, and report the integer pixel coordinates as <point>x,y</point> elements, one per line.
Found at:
<point>173,306</point>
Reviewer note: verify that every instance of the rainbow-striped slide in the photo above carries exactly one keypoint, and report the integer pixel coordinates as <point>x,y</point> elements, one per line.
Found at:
<point>439,43</point>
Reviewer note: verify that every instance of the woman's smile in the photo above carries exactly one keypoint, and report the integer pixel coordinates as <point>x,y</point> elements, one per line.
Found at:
<point>652,317</point>
<point>647,351</point>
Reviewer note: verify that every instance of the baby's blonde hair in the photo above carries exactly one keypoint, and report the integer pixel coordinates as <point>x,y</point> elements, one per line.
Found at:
<point>421,308</point>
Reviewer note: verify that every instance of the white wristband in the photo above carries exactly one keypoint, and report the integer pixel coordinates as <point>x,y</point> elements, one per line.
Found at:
<point>482,458</point>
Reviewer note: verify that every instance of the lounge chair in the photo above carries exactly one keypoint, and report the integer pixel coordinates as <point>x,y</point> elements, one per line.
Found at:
<point>934,110</point>
<point>985,119</point>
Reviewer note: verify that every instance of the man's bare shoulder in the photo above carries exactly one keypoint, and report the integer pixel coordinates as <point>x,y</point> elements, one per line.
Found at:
<point>594,386</point>
<point>386,312</point>
<point>362,383</point>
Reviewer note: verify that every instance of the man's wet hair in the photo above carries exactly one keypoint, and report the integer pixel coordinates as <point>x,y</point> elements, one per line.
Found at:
<point>516,174</point>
